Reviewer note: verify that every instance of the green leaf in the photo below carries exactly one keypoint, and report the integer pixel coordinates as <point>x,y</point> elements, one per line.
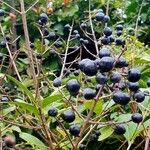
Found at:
<point>15,128</point>
<point>98,107</point>
<point>52,98</point>
<point>8,110</point>
<point>26,106</point>
<point>33,140</point>
<point>29,94</point>
<point>105,133</point>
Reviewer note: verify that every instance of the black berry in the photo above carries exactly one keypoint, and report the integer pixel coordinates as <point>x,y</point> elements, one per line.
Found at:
<point>115,77</point>
<point>119,27</point>
<point>73,86</point>
<point>57,82</point>
<point>2,12</point>
<point>121,98</point>
<point>133,86</point>
<point>89,93</point>
<point>107,31</point>
<point>136,118</point>
<point>120,129</point>
<point>52,112</point>
<point>74,130</point>
<point>68,116</point>
<point>106,64</point>
<point>139,97</point>
<point>100,16</point>
<point>134,75</point>
<point>104,52</point>
<point>43,18</point>
<point>101,79</point>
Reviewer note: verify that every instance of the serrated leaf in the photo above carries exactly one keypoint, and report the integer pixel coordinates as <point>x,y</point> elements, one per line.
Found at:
<point>33,140</point>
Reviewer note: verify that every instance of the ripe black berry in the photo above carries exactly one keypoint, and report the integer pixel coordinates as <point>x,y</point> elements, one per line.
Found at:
<point>73,86</point>
<point>106,18</point>
<point>115,77</point>
<point>121,62</point>
<point>119,27</point>
<point>136,118</point>
<point>134,75</point>
<point>83,26</point>
<point>57,82</point>
<point>74,130</point>
<point>89,93</point>
<point>43,18</point>
<point>101,79</point>
<point>2,12</point>
<point>100,16</point>
<point>121,98</point>
<point>107,31</point>
<point>98,86</point>
<point>90,68</point>
<point>119,32</point>
<point>120,129</point>
<point>68,116</point>
<point>111,39</point>
<point>106,64</point>
<point>139,97</point>
<point>104,52</point>
<point>82,63</point>
<point>119,42</point>
<point>52,112</point>
<point>133,86</point>
<point>105,40</point>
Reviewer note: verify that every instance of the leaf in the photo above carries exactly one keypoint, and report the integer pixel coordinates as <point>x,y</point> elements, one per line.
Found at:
<point>16,128</point>
<point>25,106</point>
<point>8,110</point>
<point>33,140</point>
<point>98,107</point>
<point>105,133</point>
<point>29,94</point>
<point>50,99</point>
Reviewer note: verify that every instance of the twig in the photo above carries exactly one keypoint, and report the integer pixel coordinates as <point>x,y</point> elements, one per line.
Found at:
<point>32,6</point>
<point>136,25</point>
<point>2,1</point>
<point>67,47</point>
<point>147,140</point>
<point>91,25</point>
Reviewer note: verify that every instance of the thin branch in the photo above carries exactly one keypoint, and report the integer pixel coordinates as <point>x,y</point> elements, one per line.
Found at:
<point>2,1</point>
<point>32,6</point>
<point>137,20</point>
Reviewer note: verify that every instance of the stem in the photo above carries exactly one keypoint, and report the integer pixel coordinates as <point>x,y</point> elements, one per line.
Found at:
<point>129,146</point>
<point>147,140</point>
<point>27,41</point>
<point>85,124</point>
<point>91,24</point>
<point>136,25</point>
<point>67,47</point>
